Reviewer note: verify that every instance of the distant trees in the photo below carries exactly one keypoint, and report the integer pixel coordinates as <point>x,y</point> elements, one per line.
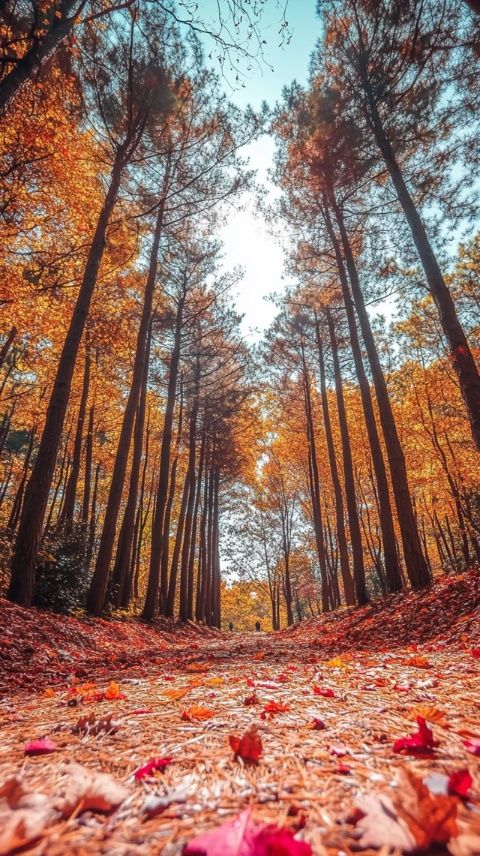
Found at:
<point>145,450</point>
<point>160,155</point>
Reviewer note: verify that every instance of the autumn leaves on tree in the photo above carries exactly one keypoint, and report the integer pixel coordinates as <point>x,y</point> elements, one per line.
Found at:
<point>142,440</point>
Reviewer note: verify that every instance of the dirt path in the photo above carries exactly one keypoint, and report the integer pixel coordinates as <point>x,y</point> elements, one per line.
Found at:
<point>331,739</point>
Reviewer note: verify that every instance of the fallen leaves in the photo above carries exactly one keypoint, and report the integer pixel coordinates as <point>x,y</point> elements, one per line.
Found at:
<point>273,707</point>
<point>326,692</point>
<point>91,724</point>
<point>459,783</point>
<point>24,815</point>
<point>113,692</point>
<point>197,714</point>
<point>175,695</point>
<point>361,710</point>
<point>40,747</point>
<point>428,712</point>
<point>249,747</point>
<point>421,743</point>
<point>244,836</point>
<point>153,766</point>
<point>472,745</point>
<point>409,818</point>
<point>88,790</point>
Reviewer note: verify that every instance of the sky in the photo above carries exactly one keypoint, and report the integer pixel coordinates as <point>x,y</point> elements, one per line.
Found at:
<point>245,234</point>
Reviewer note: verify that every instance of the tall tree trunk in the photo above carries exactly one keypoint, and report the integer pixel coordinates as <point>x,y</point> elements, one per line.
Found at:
<point>38,488</point>
<point>193,539</point>
<point>152,596</point>
<point>98,586</point>
<point>9,340</point>
<point>164,563</point>
<point>416,565</point>
<point>72,484</point>
<point>124,546</point>
<point>93,518</point>
<point>126,591</point>
<point>390,553</point>
<point>216,605</point>
<point>172,586</point>
<point>87,484</point>
<point>209,548</point>
<point>63,489</point>
<point>352,510</point>
<point>460,353</point>
<point>17,502</point>
<point>63,464</point>
<point>5,426</point>
<point>184,565</point>
<point>288,589</point>
<point>202,567</point>
<point>315,489</point>
<point>337,489</point>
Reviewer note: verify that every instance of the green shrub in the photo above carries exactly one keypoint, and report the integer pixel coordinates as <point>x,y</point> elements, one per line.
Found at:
<point>62,577</point>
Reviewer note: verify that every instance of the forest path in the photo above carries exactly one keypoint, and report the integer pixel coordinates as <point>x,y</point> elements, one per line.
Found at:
<point>327,727</point>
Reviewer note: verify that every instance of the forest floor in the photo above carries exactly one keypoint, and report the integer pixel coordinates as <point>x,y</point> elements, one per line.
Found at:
<point>366,733</point>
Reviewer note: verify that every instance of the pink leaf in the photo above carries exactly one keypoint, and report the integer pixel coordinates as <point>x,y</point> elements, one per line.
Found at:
<point>243,836</point>
<point>472,745</point>
<point>40,747</point>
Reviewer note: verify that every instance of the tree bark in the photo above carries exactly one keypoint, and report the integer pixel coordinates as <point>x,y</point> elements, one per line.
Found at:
<point>72,484</point>
<point>337,489</point>
<point>168,508</point>
<point>17,502</point>
<point>416,565</point>
<point>390,553</point>
<point>193,539</point>
<point>93,519</point>
<point>124,546</point>
<point>37,491</point>
<point>98,586</point>
<point>202,566</point>
<point>172,586</point>
<point>40,51</point>
<point>151,600</point>
<point>88,468</point>
<point>184,587</point>
<point>352,510</point>
<point>4,350</point>
<point>315,490</point>
<point>460,353</point>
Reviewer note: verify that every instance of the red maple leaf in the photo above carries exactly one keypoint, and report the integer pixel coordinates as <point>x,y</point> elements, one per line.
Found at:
<point>326,692</point>
<point>152,766</point>
<point>249,747</point>
<point>459,783</point>
<point>420,743</point>
<point>273,707</point>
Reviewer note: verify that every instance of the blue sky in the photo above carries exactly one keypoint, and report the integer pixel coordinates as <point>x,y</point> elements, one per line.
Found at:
<point>245,234</point>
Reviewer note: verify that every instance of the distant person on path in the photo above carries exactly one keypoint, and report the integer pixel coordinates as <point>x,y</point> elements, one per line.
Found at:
<point>230,625</point>
<point>258,626</point>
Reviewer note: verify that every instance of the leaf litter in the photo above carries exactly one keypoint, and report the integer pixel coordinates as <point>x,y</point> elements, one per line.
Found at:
<point>385,763</point>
